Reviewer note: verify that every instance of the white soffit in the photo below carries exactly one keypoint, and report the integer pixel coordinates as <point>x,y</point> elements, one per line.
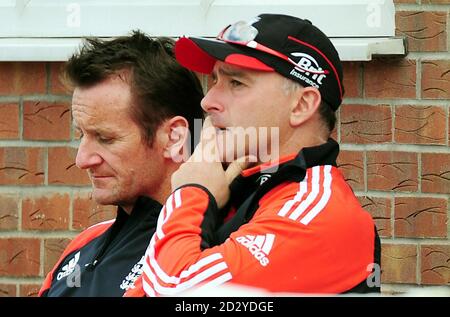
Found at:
<point>51,30</point>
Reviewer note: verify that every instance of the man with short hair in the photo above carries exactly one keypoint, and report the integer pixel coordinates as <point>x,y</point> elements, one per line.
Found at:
<point>133,106</point>
<point>297,226</point>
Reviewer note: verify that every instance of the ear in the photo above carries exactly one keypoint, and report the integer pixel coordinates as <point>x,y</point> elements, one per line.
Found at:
<point>305,104</point>
<point>178,135</point>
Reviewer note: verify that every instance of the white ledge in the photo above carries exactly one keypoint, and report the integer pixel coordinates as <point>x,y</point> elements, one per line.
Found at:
<point>364,49</point>
<point>60,49</point>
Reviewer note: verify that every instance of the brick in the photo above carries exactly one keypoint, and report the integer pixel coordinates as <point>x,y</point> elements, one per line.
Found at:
<point>435,264</point>
<point>420,125</point>
<point>46,120</point>
<point>386,78</point>
<point>19,257</point>
<point>87,212</point>
<point>19,78</point>
<point>424,31</point>
<point>8,290</point>
<point>380,209</point>
<point>352,79</point>
<point>398,263</point>
<point>366,124</point>
<point>436,173</point>
<point>436,79</point>
<point>53,248</point>
<point>9,121</point>
<point>29,290</point>
<point>46,212</point>
<point>420,217</point>
<point>351,165</point>
<point>62,169</point>
<point>21,166</point>
<point>9,211</point>
<point>392,171</point>
<point>58,84</point>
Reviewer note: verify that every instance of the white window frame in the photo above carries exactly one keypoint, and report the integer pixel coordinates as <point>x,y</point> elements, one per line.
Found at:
<point>51,30</point>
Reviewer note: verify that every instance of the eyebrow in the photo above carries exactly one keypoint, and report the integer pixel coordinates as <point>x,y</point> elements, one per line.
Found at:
<point>231,73</point>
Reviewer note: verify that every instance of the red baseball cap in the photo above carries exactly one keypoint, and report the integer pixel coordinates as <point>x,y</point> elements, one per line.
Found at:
<point>290,46</point>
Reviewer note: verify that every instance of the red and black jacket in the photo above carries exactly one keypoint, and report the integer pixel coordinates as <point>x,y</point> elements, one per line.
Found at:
<point>297,228</point>
<point>105,259</point>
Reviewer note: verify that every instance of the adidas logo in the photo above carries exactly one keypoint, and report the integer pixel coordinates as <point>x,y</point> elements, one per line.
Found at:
<point>69,268</point>
<point>259,246</point>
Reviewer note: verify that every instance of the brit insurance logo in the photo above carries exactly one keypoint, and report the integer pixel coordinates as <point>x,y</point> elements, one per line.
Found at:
<point>308,70</point>
<point>259,246</point>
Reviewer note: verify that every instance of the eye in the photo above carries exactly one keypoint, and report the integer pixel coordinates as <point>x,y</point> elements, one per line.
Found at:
<point>235,83</point>
<point>105,140</point>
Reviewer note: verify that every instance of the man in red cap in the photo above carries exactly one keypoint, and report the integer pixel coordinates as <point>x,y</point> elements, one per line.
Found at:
<point>297,225</point>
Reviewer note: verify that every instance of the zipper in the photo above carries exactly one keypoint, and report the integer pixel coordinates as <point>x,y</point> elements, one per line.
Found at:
<point>122,217</point>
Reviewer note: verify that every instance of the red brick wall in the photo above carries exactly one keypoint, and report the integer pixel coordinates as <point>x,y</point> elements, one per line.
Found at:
<point>44,197</point>
<point>393,128</point>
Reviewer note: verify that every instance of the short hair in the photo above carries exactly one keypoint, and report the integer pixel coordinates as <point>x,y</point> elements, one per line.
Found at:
<point>328,115</point>
<point>161,88</point>
<point>326,112</point>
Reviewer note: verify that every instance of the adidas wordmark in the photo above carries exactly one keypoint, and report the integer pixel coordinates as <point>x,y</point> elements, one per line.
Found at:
<point>259,246</point>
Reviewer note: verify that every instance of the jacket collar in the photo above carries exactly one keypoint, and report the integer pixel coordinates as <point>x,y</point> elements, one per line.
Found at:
<point>324,154</point>
<point>289,168</point>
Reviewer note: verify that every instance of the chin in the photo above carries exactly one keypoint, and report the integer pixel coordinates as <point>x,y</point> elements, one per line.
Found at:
<point>105,201</point>
<point>103,197</point>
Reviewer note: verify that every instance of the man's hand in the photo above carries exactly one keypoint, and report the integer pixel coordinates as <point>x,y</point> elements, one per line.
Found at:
<point>205,168</point>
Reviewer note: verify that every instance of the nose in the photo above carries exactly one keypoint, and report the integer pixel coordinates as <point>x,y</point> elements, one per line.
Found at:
<point>87,157</point>
<point>212,101</point>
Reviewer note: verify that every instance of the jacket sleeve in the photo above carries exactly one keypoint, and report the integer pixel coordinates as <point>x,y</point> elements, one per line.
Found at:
<point>275,250</point>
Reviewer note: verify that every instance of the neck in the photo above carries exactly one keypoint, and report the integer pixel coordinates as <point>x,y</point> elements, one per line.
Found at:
<point>159,191</point>
<point>128,208</point>
<point>297,139</point>
<point>162,189</point>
